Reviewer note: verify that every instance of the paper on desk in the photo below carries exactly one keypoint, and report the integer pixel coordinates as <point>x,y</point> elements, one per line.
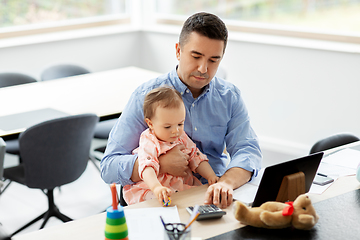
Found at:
<point>144,223</point>
<point>348,158</point>
<point>338,164</point>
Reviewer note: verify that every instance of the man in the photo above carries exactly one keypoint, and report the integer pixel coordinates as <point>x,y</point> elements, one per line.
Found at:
<point>216,117</point>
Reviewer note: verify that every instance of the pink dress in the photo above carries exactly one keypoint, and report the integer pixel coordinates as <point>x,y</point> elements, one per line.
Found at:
<point>148,152</point>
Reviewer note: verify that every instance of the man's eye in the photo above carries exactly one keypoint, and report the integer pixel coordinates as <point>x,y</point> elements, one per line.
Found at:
<point>181,124</point>
<point>167,127</point>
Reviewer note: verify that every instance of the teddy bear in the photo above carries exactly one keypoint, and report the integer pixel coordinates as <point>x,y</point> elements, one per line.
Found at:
<point>299,214</point>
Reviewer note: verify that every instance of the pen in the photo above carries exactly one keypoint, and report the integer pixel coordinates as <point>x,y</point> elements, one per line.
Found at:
<point>194,212</point>
<point>162,220</point>
<point>323,175</point>
<point>188,225</point>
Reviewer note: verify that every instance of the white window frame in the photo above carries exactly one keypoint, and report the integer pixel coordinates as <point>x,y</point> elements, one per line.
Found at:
<point>141,14</point>
<point>270,29</point>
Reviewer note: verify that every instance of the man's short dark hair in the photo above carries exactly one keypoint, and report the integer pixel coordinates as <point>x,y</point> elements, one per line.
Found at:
<point>206,24</point>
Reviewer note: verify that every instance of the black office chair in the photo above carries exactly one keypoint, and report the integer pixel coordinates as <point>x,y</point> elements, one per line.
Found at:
<point>333,141</point>
<point>102,131</point>
<point>53,153</point>
<point>122,200</point>
<point>8,79</point>
<point>3,233</point>
<point>2,156</point>
<point>67,70</point>
<point>61,71</point>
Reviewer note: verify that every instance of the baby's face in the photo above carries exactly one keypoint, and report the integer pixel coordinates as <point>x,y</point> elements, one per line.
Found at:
<point>168,123</point>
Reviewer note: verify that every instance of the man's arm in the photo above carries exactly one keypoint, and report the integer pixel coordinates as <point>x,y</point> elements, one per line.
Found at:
<point>118,162</point>
<point>232,179</point>
<point>243,147</point>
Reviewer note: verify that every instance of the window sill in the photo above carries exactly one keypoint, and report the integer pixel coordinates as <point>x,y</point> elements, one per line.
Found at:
<point>295,42</point>
<point>175,30</point>
<point>280,36</point>
<point>65,35</point>
<point>19,36</point>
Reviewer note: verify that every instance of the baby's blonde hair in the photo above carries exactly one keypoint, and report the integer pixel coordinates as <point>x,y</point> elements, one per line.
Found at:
<point>164,96</point>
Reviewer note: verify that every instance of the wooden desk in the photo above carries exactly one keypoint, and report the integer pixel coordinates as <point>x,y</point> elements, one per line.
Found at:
<point>103,93</point>
<point>92,228</point>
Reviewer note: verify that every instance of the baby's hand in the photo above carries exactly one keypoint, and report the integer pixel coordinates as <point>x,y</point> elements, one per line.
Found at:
<point>162,193</point>
<point>213,180</point>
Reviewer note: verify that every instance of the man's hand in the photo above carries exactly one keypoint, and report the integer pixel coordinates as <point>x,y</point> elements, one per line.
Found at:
<point>221,193</point>
<point>174,162</point>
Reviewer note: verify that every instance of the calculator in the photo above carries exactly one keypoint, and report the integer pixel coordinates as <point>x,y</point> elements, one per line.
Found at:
<point>207,212</point>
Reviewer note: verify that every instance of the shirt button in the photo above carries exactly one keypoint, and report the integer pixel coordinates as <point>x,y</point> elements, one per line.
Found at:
<point>195,128</point>
<point>193,105</point>
<point>187,91</point>
<point>182,93</point>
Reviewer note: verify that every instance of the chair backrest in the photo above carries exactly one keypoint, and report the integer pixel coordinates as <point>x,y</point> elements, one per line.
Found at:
<point>61,71</point>
<point>2,156</point>
<point>333,141</point>
<point>10,79</point>
<point>56,152</point>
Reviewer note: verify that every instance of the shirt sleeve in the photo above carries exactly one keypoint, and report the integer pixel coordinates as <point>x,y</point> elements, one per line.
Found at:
<point>118,161</point>
<point>241,141</point>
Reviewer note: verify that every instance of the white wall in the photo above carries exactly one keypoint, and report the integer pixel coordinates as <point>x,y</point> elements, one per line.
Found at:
<point>295,96</point>
<point>95,53</point>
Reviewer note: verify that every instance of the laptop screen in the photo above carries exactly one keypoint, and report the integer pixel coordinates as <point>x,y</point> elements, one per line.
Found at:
<point>273,176</point>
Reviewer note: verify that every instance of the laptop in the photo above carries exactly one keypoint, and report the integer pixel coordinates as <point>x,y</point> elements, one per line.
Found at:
<point>253,194</point>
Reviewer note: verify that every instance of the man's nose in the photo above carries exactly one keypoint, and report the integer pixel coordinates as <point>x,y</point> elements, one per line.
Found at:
<point>203,67</point>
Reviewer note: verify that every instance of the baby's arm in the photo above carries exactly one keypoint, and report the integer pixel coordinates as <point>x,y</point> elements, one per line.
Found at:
<point>205,170</point>
<point>150,178</point>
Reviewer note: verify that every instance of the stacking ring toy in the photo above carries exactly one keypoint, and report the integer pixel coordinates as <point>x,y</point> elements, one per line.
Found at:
<point>166,204</point>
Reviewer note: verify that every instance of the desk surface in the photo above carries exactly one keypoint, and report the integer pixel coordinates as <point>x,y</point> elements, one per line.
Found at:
<point>92,228</point>
<point>103,93</point>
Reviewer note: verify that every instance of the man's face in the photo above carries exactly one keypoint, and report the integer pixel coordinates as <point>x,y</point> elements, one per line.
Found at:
<point>199,60</point>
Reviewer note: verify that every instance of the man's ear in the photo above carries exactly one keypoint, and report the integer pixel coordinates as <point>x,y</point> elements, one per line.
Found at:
<point>177,47</point>
<point>149,123</point>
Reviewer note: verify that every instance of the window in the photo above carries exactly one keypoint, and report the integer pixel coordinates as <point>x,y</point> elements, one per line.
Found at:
<point>335,20</point>
<point>311,18</point>
<point>57,15</point>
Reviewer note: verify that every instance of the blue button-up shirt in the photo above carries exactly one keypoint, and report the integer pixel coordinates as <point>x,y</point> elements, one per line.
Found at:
<point>216,119</point>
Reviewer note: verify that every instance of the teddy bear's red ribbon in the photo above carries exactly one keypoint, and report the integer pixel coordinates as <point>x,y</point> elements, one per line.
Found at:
<point>288,210</point>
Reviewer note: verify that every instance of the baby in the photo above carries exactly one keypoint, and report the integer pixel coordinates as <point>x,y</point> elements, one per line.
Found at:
<point>164,113</point>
